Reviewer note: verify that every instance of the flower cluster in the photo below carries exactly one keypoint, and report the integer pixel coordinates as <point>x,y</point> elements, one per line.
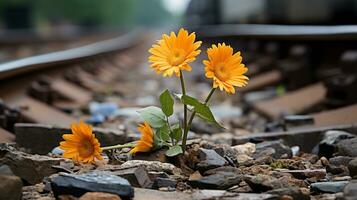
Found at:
<point>171,55</point>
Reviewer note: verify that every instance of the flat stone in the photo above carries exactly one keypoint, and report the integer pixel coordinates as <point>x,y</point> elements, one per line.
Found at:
<point>95,181</point>
<point>352,167</point>
<point>99,196</point>
<point>329,187</point>
<point>347,147</point>
<point>10,187</point>
<point>145,194</point>
<point>164,183</point>
<point>210,159</point>
<point>280,149</point>
<point>219,180</point>
<point>263,183</point>
<point>31,168</point>
<point>152,166</point>
<point>41,139</point>
<point>350,190</point>
<point>137,176</point>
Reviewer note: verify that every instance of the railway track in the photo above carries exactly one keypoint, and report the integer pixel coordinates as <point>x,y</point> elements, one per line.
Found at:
<point>298,91</point>
<point>37,82</point>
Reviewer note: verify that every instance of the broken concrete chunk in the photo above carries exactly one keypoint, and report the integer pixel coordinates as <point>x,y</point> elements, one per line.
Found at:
<point>41,139</point>
<point>152,166</point>
<point>137,176</point>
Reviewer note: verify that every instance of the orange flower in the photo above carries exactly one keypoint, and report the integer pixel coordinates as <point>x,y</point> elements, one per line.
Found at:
<point>146,141</point>
<point>81,145</point>
<point>225,68</point>
<point>173,53</point>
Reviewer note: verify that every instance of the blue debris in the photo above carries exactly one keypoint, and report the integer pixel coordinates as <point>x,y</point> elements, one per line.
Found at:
<point>106,109</point>
<point>57,151</point>
<point>101,111</point>
<point>96,119</point>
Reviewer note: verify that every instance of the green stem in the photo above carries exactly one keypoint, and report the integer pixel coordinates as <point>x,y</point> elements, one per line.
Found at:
<point>168,124</point>
<point>184,106</point>
<point>118,146</point>
<point>191,119</point>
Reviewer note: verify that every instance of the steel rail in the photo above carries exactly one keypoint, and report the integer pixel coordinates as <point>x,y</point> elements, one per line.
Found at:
<point>38,62</point>
<point>280,32</point>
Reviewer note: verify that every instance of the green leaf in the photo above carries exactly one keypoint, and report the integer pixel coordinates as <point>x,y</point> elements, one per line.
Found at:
<point>167,103</point>
<point>153,115</point>
<point>163,133</point>
<point>202,110</point>
<point>177,133</point>
<point>173,151</point>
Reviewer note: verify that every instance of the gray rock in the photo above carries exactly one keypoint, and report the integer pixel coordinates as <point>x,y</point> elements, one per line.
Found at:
<point>350,191</point>
<point>329,187</point>
<point>164,182</point>
<point>210,159</point>
<point>137,176</point>
<point>338,165</point>
<point>10,187</point>
<point>347,147</point>
<point>263,183</point>
<point>218,180</point>
<point>294,192</point>
<point>280,149</point>
<point>41,139</point>
<point>31,168</point>
<point>96,181</point>
<point>327,147</point>
<point>5,170</point>
<point>352,167</point>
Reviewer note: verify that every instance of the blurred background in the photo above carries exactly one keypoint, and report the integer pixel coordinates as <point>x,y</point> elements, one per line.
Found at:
<point>46,16</point>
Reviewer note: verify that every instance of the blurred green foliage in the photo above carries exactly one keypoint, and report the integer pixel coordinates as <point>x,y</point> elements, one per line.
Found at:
<point>102,13</point>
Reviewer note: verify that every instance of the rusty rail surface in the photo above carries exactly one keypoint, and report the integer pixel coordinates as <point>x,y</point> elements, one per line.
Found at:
<point>39,62</point>
<point>283,32</point>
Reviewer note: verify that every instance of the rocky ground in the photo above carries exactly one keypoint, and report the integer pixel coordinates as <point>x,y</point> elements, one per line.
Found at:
<point>233,163</point>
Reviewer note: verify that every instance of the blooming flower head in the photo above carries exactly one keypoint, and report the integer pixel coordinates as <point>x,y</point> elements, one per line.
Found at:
<point>225,68</point>
<point>81,145</point>
<point>174,53</point>
<point>146,141</point>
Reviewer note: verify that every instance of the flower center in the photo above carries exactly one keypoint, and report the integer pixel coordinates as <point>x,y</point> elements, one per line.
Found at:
<point>177,57</point>
<point>221,72</point>
<point>86,149</point>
